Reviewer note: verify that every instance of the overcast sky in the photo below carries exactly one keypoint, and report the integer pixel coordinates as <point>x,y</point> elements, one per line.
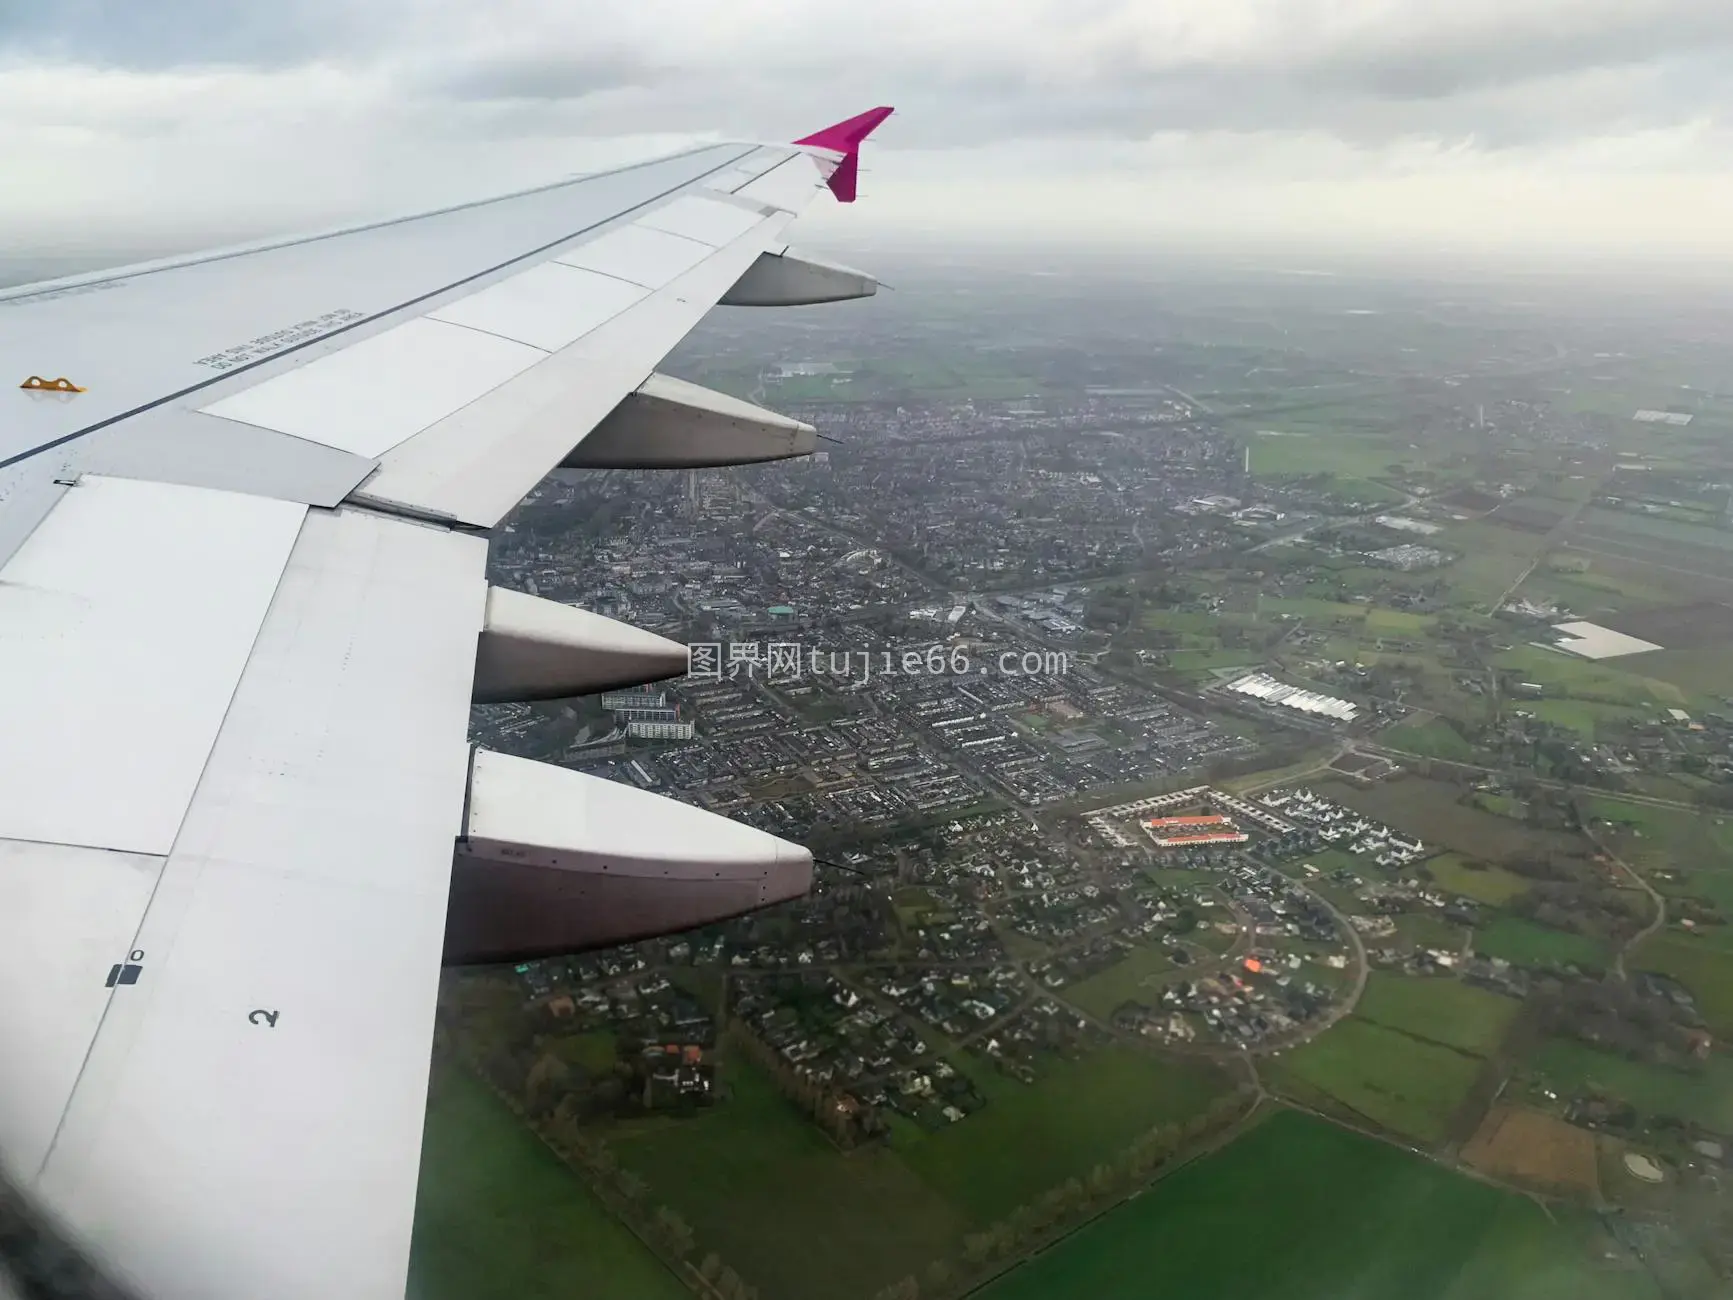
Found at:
<point>1537,125</point>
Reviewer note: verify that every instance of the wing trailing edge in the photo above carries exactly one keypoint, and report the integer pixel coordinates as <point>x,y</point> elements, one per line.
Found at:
<point>788,279</point>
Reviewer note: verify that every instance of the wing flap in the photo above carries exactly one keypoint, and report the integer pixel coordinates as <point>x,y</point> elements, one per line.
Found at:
<point>249,1119</point>
<point>709,221</point>
<point>546,307</point>
<point>639,254</point>
<point>218,1087</point>
<point>477,464</point>
<point>188,331</point>
<point>368,398</point>
<point>129,614</point>
<point>790,186</point>
<point>71,915</point>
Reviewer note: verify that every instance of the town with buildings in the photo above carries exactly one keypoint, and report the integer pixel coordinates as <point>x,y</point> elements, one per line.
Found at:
<point>1152,791</point>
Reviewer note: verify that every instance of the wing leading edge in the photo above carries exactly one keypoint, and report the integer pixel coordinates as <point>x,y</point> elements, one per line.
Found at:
<point>245,593</point>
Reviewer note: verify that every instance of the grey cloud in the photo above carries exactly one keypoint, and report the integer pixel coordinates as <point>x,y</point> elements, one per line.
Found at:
<point>1498,84</point>
<point>1500,77</point>
<point>263,34</point>
<point>546,75</point>
<point>1424,66</point>
<point>947,109</point>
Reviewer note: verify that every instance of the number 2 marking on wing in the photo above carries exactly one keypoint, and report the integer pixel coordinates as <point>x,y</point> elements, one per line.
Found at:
<point>263,1017</point>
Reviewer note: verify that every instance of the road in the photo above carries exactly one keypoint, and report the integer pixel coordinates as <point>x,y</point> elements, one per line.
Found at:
<point>1362,969</point>
<point>1655,897</point>
<point>1554,536</point>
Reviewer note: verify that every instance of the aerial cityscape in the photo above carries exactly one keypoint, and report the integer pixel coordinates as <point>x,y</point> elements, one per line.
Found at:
<point>1267,740</point>
<point>1001,650</point>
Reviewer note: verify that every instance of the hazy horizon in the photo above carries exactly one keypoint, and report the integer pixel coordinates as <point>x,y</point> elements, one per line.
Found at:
<point>1572,132</point>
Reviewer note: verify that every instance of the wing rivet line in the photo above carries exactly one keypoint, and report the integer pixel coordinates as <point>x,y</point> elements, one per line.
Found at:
<point>36,383</point>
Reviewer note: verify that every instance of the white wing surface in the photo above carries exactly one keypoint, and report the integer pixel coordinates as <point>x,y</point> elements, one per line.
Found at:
<point>243,614</point>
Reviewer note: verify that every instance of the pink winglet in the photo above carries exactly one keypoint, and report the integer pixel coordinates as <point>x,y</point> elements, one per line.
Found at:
<point>845,138</point>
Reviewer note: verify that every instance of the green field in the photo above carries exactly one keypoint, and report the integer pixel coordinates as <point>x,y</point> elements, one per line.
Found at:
<point>1712,886</point>
<point>964,377</point>
<point>916,907</point>
<point>1424,930</point>
<point>1493,558</point>
<point>1032,1137</point>
<point>1649,837</point>
<point>1311,446</point>
<point>1591,593</point>
<point>1585,717</point>
<point>754,1175</point>
<point>1502,805</point>
<point>1703,672</point>
<point>1316,613</point>
<point>1648,527</point>
<point>1442,1010</point>
<point>1434,811</point>
<point>1301,1209</point>
<point>762,1186</point>
<point>499,1217</point>
<point>1526,944</point>
<point>1192,622</point>
<point>1587,679</point>
<point>1701,966</point>
<point>1202,662</point>
<point>1316,444</point>
<point>1120,982</point>
<point>1703,1094</point>
<point>592,1052</point>
<point>1491,885</point>
<point>1434,739</point>
<point>1398,1082</point>
<point>1398,622</point>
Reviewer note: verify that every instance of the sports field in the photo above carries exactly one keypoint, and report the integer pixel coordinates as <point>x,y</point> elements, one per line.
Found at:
<point>499,1217</point>
<point>1304,1210</point>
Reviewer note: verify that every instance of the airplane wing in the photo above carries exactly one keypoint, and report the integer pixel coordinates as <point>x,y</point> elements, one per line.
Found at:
<point>244,504</point>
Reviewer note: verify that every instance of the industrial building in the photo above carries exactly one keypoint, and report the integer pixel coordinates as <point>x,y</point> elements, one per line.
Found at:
<point>1261,686</point>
